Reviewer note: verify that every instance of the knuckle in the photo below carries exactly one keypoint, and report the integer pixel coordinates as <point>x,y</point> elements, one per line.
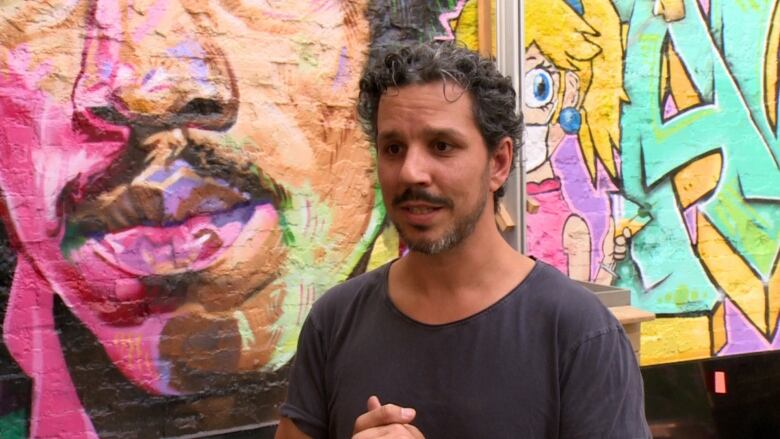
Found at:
<point>389,411</point>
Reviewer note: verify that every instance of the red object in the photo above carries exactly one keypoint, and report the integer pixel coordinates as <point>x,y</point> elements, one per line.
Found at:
<point>720,382</point>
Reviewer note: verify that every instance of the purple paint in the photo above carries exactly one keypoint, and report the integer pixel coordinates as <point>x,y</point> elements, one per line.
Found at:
<point>690,223</point>
<point>586,200</point>
<point>670,108</point>
<point>194,54</point>
<point>178,192</point>
<point>148,76</point>
<point>705,6</point>
<point>742,337</point>
<point>344,71</point>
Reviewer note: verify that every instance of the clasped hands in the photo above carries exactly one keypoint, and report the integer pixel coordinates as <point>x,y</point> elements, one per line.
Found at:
<point>386,421</point>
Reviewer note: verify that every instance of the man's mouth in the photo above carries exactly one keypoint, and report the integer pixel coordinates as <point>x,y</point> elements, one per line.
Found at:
<point>421,210</point>
<point>419,214</point>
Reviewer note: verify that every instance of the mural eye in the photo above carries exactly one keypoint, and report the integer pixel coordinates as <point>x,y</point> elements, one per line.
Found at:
<point>538,86</point>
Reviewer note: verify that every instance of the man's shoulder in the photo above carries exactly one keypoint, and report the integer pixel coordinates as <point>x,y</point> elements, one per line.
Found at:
<point>348,296</point>
<point>567,302</point>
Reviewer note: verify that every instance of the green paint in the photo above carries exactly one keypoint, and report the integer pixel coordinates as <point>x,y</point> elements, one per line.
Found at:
<point>231,142</point>
<point>737,218</point>
<point>307,270</point>
<point>288,237</point>
<point>723,56</point>
<point>682,295</point>
<point>14,425</point>
<point>306,56</point>
<point>72,240</point>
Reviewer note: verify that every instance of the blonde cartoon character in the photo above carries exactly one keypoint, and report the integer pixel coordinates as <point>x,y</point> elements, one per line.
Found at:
<point>572,91</point>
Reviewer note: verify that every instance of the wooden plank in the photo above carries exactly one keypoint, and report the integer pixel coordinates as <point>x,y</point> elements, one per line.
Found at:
<point>484,28</point>
<point>629,314</point>
<point>633,332</point>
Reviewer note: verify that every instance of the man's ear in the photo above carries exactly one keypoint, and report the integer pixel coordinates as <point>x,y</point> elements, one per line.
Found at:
<point>501,163</point>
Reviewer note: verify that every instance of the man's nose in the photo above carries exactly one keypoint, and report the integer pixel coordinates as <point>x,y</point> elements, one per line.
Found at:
<point>416,167</point>
<point>154,68</point>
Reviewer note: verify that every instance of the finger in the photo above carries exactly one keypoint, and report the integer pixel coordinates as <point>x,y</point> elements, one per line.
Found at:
<point>620,240</point>
<point>627,232</point>
<point>373,403</point>
<point>384,415</point>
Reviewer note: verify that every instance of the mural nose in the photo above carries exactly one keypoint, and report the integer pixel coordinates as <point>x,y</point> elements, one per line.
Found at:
<point>154,69</point>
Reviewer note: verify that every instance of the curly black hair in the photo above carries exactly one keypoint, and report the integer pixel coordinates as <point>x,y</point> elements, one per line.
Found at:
<point>494,99</point>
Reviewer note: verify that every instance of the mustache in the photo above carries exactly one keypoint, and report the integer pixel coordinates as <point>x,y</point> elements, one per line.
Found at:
<point>418,194</point>
<point>114,200</point>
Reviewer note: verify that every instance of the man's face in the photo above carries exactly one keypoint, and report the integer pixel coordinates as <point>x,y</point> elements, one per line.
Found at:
<point>433,164</point>
<point>187,175</point>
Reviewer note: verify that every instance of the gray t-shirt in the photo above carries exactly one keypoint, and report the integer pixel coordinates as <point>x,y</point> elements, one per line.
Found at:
<point>548,360</point>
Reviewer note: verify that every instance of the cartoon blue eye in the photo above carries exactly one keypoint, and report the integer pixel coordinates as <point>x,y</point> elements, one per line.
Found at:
<point>538,88</point>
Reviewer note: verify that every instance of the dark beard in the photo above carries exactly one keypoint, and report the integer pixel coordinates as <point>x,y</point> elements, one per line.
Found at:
<point>462,228</point>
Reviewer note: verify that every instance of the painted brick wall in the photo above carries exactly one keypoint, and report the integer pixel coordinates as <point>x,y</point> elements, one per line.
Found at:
<point>180,181</point>
<point>653,151</point>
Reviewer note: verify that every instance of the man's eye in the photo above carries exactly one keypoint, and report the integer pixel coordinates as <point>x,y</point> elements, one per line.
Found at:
<point>442,147</point>
<point>393,149</point>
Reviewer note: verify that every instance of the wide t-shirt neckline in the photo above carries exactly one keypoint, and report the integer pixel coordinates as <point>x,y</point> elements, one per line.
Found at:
<point>385,293</point>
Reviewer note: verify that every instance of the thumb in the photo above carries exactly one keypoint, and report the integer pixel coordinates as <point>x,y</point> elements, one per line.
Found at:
<point>373,403</point>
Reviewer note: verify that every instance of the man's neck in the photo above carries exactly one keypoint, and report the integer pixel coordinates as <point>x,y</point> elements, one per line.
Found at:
<point>459,282</point>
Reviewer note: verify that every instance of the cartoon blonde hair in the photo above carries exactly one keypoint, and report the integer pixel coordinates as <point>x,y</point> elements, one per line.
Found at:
<point>591,46</point>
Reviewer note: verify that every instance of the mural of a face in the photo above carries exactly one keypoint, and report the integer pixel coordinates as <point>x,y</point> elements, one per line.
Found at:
<point>542,99</point>
<point>186,175</point>
<point>541,82</point>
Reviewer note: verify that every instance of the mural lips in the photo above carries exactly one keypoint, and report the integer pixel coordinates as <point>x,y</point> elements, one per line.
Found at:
<point>178,213</point>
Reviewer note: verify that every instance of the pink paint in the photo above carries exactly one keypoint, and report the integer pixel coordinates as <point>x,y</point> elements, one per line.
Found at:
<point>670,108</point>
<point>41,152</point>
<point>544,227</point>
<point>690,223</point>
<point>705,6</point>
<point>445,18</point>
<point>29,334</point>
<point>43,148</point>
<point>153,17</point>
<point>148,250</point>
<point>18,62</point>
<point>319,5</point>
<point>102,70</point>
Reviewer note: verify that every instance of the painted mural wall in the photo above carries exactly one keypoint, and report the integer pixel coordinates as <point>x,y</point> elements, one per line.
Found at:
<point>652,155</point>
<point>180,180</point>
